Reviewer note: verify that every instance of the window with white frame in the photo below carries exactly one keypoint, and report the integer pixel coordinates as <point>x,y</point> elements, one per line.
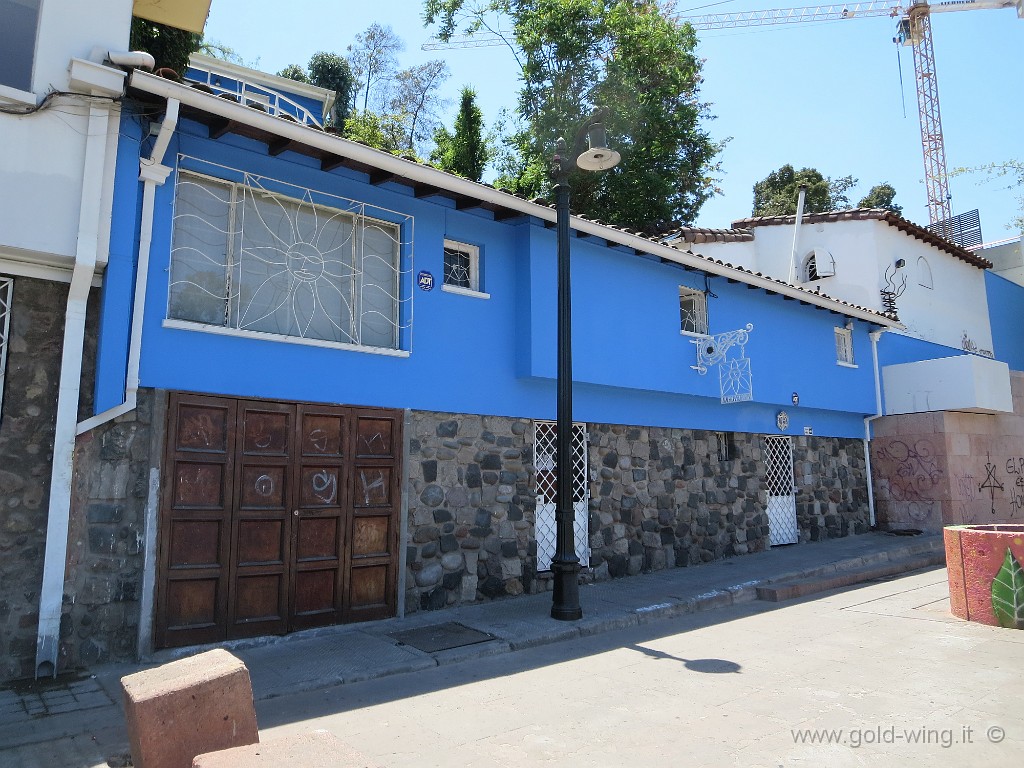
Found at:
<point>18,42</point>
<point>247,258</point>
<point>693,311</point>
<point>844,346</point>
<point>461,267</point>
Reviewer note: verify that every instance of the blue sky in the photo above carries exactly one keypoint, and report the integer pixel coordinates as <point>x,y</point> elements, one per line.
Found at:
<point>824,95</point>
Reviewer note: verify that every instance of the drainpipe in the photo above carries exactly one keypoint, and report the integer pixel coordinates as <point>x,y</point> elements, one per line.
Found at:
<point>152,174</point>
<point>796,231</point>
<point>51,593</point>
<point>875,336</point>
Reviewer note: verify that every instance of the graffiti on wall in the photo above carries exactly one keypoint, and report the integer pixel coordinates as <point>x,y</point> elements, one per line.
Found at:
<point>913,475</point>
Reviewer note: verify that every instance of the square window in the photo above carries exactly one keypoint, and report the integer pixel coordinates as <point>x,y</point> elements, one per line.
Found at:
<point>844,346</point>
<point>254,261</point>
<point>462,266</point>
<point>693,311</point>
<point>18,42</point>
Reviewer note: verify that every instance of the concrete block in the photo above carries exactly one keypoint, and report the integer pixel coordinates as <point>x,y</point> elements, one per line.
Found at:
<point>315,749</point>
<point>187,707</point>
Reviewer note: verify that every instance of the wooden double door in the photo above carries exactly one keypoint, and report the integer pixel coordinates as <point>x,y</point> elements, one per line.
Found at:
<point>275,517</point>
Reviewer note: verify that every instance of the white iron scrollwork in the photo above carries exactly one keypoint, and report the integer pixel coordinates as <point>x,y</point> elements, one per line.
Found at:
<point>735,377</point>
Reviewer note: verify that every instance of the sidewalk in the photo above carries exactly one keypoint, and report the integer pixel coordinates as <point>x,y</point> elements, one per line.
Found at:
<point>80,722</point>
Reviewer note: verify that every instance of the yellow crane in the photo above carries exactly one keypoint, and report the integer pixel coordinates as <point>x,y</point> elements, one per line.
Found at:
<point>914,30</point>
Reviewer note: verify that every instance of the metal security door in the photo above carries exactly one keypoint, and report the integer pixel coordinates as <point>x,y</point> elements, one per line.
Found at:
<point>778,459</point>
<point>544,435</point>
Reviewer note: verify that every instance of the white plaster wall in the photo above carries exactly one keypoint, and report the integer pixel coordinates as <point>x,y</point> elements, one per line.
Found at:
<point>41,155</point>
<point>956,304</point>
<point>959,383</point>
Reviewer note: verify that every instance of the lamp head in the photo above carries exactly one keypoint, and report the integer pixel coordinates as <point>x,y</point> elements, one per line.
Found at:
<point>599,157</point>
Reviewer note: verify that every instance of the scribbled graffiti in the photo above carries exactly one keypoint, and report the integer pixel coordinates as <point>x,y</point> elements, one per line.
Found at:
<point>264,485</point>
<point>325,486</point>
<point>318,439</point>
<point>912,471</point>
<point>991,482</point>
<point>965,485</point>
<point>373,490</point>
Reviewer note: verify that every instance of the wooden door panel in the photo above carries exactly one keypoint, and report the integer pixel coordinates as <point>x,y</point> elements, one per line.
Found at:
<point>192,592</point>
<point>276,517</point>
<point>261,524</point>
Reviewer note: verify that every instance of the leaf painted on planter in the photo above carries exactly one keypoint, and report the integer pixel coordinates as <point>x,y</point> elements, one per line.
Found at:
<point>1008,593</point>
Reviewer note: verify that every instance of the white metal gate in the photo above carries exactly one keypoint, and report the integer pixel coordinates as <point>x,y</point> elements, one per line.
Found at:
<point>544,434</point>
<point>778,460</point>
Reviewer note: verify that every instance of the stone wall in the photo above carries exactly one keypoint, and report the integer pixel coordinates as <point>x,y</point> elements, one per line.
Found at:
<point>100,621</point>
<point>35,341</point>
<point>659,498</point>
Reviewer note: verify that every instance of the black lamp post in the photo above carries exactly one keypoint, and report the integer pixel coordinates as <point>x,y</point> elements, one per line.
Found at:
<point>565,564</point>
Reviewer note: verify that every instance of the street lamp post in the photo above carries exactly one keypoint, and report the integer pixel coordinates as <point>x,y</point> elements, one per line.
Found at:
<point>565,564</point>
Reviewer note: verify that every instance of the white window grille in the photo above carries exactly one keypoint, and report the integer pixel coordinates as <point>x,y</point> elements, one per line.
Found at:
<point>545,434</point>
<point>461,267</point>
<point>724,440</point>
<point>6,296</point>
<point>818,264</point>
<point>844,346</point>
<point>693,311</point>
<point>18,42</point>
<point>779,484</point>
<point>307,266</point>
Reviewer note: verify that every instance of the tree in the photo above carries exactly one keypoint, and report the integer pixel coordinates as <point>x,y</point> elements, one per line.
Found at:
<point>295,72</point>
<point>169,46</point>
<point>373,58</point>
<point>626,54</point>
<point>414,100</point>
<point>331,71</point>
<point>378,131</point>
<point>777,193</point>
<point>465,151</point>
<point>1014,169</point>
<point>881,196</point>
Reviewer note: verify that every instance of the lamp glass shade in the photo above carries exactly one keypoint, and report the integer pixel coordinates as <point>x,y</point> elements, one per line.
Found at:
<point>599,157</point>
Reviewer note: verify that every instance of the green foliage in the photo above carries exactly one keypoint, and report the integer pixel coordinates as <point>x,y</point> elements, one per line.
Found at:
<point>777,193</point>
<point>170,46</point>
<point>373,60</point>
<point>331,71</point>
<point>1013,171</point>
<point>225,53</point>
<point>295,72</point>
<point>378,131</point>
<point>1008,593</point>
<point>465,151</point>
<point>881,196</point>
<point>576,54</point>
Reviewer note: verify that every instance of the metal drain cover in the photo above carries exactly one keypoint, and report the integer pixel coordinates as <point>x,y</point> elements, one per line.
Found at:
<point>441,637</point>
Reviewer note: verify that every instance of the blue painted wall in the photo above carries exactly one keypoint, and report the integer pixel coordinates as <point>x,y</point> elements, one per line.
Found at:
<point>497,355</point>
<point>1006,316</point>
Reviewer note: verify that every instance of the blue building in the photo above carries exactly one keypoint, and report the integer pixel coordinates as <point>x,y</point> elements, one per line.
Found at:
<point>325,384</point>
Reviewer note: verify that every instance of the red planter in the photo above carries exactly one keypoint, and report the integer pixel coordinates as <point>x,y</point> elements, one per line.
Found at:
<point>974,555</point>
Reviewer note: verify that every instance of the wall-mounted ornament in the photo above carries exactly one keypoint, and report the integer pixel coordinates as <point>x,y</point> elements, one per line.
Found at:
<point>735,378</point>
<point>782,421</point>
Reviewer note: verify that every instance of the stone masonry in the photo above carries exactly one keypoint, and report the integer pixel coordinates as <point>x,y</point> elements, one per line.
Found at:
<point>659,498</point>
<point>35,341</point>
<point>100,621</point>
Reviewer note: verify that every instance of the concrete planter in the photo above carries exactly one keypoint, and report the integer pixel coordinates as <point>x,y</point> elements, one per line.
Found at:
<point>978,555</point>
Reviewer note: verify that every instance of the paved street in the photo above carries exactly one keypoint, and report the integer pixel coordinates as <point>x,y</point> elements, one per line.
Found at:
<point>883,668</point>
<point>678,668</point>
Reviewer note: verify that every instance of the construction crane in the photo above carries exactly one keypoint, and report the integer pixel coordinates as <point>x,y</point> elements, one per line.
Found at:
<point>914,30</point>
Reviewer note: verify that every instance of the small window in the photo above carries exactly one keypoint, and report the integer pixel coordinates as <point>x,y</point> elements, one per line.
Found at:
<point>693,311</point>
<point>18,42</point>
<point>6,294</point>
<point>461,267</point>
<point>725,445</point>
<point>924,273</point>
<point>844,346</point>
<point>818,264</point>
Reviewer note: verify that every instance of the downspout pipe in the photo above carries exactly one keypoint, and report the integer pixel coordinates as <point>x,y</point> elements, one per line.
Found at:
<point>51,593</point>
<point>801,198</point>
<point>875,336</point>
<point>152,174</point>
